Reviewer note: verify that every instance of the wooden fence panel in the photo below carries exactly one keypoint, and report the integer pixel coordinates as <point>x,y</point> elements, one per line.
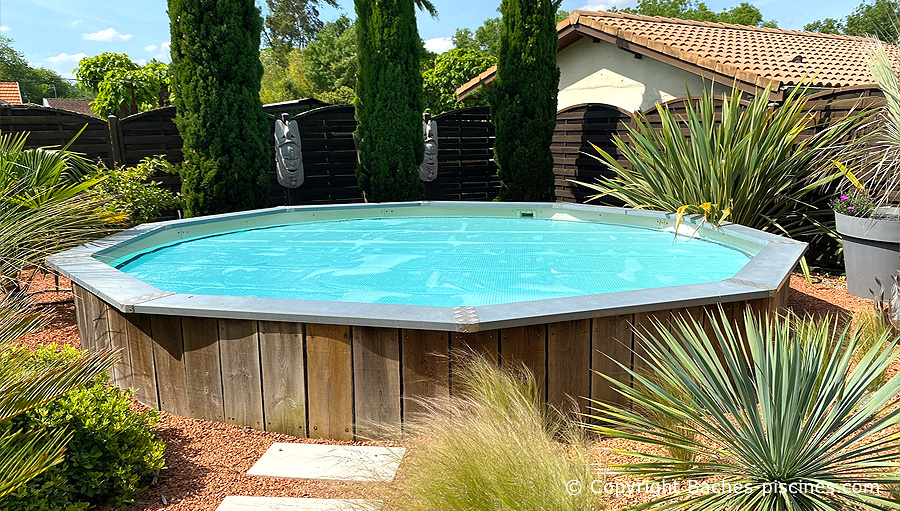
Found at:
<point>52,127</point>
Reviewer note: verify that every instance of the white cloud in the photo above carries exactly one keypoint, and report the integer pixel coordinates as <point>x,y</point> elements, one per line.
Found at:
<point>142,62</point>
<point>64,63</point>
<point>439,44</point>
<point>65,58</point>
<point>110,34</point>
<point>4,28</point>
<point>152,47</point>
<point>165,46</point>
<point>75,23</point>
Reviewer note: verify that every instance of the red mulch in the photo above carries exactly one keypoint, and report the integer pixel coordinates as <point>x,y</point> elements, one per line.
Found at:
<point>207,461</point>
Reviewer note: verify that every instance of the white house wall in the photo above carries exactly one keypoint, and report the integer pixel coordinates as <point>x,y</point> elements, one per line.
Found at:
<point>599,72</point>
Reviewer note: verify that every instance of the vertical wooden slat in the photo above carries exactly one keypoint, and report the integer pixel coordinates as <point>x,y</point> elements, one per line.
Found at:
<point>283,377</point>
<point>376,381</point>
<point>482,343</point>
<point>426,368</point>
<point>485,344</point>
<point>611,344</point>
<point>569,364</point>
<point>527,345</point>
<point>241,379</point>
<point>118,340</point>
<point>330,381</point>
<point>99,323</point>
<point>143,367</point>
<point>203,368</point>
<point>647,323</point>
<point>169,354</point>
<point>81,313</point>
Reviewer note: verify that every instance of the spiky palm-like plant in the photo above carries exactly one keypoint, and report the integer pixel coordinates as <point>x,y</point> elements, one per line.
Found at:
<point>788,421</point>
<point>43,209</point>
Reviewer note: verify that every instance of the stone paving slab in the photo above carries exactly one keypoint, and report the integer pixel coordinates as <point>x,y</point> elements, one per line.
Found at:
<point>331,462</point>
<point>291,504</point>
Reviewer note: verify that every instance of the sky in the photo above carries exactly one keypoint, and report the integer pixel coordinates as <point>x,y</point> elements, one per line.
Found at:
<point>57,33</point>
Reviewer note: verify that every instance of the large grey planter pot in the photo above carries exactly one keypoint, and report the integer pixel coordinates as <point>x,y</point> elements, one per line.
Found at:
<point>871,249</point>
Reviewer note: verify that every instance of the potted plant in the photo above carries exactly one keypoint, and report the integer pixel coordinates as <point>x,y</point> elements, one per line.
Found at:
<point>867,215</point>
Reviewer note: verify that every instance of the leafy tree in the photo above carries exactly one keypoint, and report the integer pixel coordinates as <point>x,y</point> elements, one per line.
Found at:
<point>35,83</point>
<point>523,103</point>
<point>216,72</point>
<point>292,24</point>
<point>451,70</point>
<point>122,86</point>
<point>487,36</point>
<point>880,18</point>
<point>389,99</point>
<point>330,60</point>
<point>743,14</point>
<point>285,78</point>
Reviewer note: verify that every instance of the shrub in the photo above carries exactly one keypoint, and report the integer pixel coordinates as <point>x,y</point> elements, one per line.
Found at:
<point>492,446</point>
<point>781,410</point>
<point>855,203</point>
<point>131,192</point>
<point>111,456</point>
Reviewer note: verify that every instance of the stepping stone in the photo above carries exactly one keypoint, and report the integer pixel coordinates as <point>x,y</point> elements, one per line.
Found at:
<point>291,504</point>
<point>332,462</point>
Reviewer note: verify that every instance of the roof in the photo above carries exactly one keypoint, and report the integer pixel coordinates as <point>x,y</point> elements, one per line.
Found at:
<point>754,56</point>
<point>9,92</point>
<point>81,106</point>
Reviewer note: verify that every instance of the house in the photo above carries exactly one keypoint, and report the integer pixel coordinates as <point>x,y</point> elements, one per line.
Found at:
<point>10,93</point>
<point>81,106</point>
<point>634,61</point>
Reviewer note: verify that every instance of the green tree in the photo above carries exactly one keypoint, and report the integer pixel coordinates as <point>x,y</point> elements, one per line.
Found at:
<point>330,60</point>
<point>880,18</point>
<point>743,14</point>
<point>487,36</point>
<point>523,103</point>
<point>35,83</point>
<point>123,87</point>
<point>216,72</point>
<point>451,70</point>
<point>292,24</point>
<point>285,78</point>
<point>389,99</point>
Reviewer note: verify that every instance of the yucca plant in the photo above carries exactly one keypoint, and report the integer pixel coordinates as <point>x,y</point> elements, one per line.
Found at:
<point>492,446</point>
<point>43,209</point>
<point>775,409</point>
<point>740,159</point>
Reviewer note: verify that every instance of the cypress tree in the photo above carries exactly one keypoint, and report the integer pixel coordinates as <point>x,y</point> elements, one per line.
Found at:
<point>389,100</point>
<point>216,74</point>
<point>523,103</point>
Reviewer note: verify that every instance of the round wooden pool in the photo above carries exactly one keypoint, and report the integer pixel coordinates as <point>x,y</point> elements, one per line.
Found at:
<point>331,368</point>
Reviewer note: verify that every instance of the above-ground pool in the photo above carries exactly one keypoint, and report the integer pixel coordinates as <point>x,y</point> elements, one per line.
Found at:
<point>322,321</point>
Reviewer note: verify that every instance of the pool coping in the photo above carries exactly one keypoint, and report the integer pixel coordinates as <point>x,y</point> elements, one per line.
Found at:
<point>761,277</point>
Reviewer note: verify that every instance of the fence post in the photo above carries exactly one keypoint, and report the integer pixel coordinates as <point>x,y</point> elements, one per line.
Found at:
<point>116,141</point>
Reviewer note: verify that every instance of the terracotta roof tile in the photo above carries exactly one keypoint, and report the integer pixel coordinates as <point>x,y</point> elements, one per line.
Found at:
<point>826,60</point>
<point>9,92</point>
<point>755,55</point>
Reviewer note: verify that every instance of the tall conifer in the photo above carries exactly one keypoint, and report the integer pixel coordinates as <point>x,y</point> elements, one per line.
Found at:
<point>523,103</point>
<point>389,100</point>
<point>215,74</point>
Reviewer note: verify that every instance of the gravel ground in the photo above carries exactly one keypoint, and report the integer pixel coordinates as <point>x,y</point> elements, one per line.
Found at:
<point>207,461</point>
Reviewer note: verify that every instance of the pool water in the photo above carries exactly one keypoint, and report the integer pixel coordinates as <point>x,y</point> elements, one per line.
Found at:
<point>443,261</point>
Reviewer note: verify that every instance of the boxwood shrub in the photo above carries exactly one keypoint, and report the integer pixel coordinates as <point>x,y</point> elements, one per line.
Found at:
<point>113,454</point>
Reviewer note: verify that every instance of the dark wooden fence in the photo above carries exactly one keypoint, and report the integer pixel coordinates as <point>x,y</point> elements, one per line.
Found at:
<point>466,166</point>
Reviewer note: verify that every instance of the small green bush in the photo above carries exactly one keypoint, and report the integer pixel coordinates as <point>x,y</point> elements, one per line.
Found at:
<point>855,203</point>
<point>132,192</point>
<point>111,457</point>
